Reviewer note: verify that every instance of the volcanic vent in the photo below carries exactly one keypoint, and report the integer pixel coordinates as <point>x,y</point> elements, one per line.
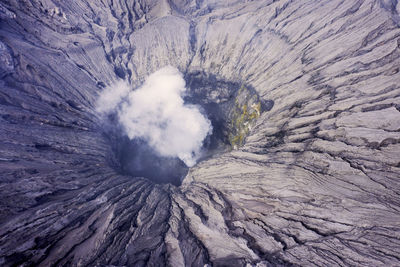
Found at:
<point>158,131</point>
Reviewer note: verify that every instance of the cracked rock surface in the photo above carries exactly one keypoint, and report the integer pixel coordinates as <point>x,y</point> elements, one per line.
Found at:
<point>316,183</point>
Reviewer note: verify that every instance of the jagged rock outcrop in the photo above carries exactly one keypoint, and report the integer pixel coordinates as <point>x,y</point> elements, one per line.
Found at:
<point>316,181</point>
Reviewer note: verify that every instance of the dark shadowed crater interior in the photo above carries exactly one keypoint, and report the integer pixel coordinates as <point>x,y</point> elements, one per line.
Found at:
<point>216,99</point>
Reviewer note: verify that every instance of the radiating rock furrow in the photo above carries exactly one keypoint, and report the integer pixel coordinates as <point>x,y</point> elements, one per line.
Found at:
<point>187,249</point>
<point>315,183</point>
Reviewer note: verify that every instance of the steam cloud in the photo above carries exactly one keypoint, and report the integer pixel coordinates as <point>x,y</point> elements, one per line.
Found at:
<point>156,113</point>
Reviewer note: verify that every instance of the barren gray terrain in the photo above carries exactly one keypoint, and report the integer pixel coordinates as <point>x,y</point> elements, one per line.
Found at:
<point>316,181</point>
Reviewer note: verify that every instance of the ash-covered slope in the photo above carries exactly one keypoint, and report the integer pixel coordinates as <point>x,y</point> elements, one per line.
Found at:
<point>315,183</point>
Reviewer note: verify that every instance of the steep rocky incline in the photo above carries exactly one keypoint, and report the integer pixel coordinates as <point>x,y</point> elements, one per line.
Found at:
<point>316,181</point>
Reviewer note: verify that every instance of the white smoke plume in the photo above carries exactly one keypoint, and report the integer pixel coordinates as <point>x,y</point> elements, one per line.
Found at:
<point>111,97</point>
<point>156,113</point>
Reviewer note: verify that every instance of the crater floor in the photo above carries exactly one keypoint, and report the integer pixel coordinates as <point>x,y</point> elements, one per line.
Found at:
<point>316,182</point>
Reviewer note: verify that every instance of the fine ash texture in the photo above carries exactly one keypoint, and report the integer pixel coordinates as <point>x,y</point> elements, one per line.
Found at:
<point>315,183</point>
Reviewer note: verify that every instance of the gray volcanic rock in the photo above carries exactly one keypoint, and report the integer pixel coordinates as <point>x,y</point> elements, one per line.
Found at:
<point>316,182</point>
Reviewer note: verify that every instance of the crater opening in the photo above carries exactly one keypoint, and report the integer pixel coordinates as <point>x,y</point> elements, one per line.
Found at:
<point>136,158</point>
<point>230,109</point>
